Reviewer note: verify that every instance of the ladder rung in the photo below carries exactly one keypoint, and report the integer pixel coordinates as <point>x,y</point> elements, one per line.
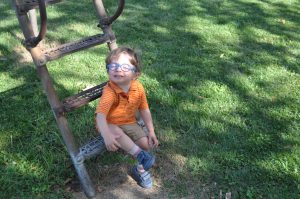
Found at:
<point>82,98</point>
<point>93,148</point>
<point>68,48</point>
<point>23,6</point>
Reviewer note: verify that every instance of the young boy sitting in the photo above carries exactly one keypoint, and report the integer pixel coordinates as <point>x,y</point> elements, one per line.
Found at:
<point>122,97</point>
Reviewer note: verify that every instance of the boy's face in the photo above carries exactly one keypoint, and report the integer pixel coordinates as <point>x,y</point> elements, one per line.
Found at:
<point>120,77</point>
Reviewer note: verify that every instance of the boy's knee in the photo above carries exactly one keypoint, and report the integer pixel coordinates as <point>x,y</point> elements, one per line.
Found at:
<point>143,143</point>
<point>146,147</point>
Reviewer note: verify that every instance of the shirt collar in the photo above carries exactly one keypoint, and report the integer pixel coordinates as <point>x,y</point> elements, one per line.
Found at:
<point>118,90</point>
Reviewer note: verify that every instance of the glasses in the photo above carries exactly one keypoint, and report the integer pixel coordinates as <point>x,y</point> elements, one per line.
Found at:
<point>123,67</point>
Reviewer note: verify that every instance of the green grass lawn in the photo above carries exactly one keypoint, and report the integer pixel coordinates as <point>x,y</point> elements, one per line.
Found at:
<point>223,83</point>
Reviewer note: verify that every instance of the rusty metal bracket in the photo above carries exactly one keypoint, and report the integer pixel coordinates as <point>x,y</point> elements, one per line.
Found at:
<point>59,111</point>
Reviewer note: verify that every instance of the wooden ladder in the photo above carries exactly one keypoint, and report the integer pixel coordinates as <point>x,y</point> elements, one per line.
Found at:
<point>25,11</point>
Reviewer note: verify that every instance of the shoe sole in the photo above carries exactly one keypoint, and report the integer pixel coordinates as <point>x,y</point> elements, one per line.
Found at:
<point>131,173</point>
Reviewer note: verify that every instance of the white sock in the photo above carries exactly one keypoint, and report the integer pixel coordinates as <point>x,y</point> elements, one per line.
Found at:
<point>140,168</point>
<point>134,151</point>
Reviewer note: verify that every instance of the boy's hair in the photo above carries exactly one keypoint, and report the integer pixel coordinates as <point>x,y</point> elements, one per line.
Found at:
<point>134,57</point>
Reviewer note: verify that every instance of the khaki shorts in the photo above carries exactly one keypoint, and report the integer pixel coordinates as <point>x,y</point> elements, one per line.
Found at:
<point>134,131</point>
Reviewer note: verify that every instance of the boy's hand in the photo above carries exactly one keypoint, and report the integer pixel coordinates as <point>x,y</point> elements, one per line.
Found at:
<point>111,142</point>
<point>153,142</point>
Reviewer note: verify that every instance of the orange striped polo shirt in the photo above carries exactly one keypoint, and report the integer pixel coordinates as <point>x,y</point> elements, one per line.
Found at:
<point>120,107</point>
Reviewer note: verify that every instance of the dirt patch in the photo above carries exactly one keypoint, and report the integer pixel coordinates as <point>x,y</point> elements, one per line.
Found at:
<point>114,182</point>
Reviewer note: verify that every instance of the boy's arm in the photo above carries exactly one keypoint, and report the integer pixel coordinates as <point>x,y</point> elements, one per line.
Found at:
<point>146,116</point>
<point>109,138</point>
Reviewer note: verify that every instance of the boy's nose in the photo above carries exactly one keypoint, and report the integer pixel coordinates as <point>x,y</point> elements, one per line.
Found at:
<point>118,68</point>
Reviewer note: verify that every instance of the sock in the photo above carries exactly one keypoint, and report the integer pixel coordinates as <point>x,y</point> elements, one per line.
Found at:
<point>134,151</point>
<point>140,168</point>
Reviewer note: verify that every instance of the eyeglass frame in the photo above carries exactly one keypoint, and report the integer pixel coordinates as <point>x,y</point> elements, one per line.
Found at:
<point>121,66</point>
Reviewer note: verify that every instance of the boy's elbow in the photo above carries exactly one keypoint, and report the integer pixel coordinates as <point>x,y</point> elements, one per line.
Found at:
<point>147,110</point>
<point>100,115</point>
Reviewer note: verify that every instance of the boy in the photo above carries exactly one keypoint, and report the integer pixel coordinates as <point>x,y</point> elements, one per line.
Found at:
<point>122,97</point>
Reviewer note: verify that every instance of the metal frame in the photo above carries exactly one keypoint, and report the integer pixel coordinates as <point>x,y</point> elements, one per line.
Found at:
<point>27,20</point>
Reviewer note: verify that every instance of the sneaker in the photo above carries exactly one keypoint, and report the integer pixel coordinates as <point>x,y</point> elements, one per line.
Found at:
<point>142,179</point>
<point>146,159</point>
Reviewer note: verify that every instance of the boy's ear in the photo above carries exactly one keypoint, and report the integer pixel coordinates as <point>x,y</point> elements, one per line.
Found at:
<point>137,74</point>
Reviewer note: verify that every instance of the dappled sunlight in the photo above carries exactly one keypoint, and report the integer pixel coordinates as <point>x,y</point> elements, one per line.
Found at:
<point>161,30</point>
<point>22,166</point>
<point>282,166</point>
<point>261,35</point>
<point>198,166</point>
<point>153,89</point>
<point>22,55</point>
<point>168,135</point>
<point>222,81</point>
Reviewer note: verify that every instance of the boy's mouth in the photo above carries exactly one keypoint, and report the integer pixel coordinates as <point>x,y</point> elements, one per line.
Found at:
<point>118,76</point>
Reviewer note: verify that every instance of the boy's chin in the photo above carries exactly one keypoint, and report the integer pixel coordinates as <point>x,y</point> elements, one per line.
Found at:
<point>120,81</point>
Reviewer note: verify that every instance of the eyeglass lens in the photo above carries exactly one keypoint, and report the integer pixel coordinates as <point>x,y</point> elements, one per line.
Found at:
<point>123,67</point>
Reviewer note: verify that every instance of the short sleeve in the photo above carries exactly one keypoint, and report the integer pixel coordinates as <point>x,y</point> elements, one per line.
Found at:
<point>144,104</point>
<point>106,101</point>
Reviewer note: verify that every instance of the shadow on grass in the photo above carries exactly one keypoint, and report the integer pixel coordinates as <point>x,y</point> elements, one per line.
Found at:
<point>244,149</point>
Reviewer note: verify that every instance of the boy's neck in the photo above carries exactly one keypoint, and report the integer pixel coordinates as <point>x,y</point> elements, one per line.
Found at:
<point>124,87</point>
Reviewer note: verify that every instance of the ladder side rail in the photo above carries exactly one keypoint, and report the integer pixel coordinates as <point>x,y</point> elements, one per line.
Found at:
<point>27,25</point>
<point>73,150</point>
<point>35,40</point>
<point>57,108</point>
<point>23,6</point>
<point>33,21</point>
<point>28,32</point>
<point>105,21</point>
<point>118,12</point>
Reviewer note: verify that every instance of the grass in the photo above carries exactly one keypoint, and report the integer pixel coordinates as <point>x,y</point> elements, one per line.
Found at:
<point>223,83</point>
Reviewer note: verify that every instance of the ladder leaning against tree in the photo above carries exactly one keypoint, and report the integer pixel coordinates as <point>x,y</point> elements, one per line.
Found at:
<point>25,11</point>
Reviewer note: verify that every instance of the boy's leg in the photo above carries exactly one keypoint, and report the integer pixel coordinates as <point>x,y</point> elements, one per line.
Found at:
<point>137,134</point>
<point>143,143</point>
<point>144,158</point>
<point>124,141</point>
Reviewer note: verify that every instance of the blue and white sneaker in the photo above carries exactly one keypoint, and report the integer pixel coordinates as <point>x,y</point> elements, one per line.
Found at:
<point>142,179</point>
<point>146,159</point>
